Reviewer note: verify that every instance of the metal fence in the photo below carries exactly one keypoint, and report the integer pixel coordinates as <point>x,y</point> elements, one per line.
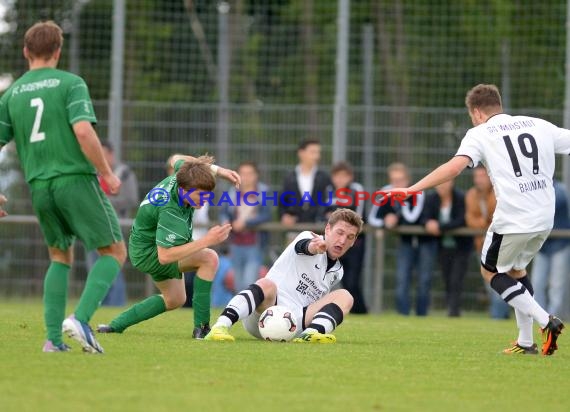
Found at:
<point>24,260</point>
<point>247,80</point>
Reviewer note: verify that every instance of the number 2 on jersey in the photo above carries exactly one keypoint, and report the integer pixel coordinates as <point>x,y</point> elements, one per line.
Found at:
<point>36,135</point>
<point>531,154</point>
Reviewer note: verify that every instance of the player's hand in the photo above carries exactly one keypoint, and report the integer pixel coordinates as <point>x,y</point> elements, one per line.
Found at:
<point>230,175</point>
<point>399,192</point>
<point>317,244</point>
<point>113,183</point>
<point>218,234</point>
<point>3,200</point>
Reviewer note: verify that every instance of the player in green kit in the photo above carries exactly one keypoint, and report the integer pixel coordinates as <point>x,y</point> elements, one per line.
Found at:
<point>161,244</point>
<point>49,115</point>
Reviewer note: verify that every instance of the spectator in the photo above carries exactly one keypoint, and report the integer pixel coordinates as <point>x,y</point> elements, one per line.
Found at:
<point>413,251</point>
<point>342,176</point>
<point>480,205</point>
<point>124,202</point>
<point>550,267</point>
<point>246,244</point>
<point>448,203</point>
<point>305,179</point>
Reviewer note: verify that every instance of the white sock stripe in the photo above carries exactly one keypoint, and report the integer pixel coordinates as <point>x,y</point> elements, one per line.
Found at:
<point>512,289</point>
<point>323,315</point>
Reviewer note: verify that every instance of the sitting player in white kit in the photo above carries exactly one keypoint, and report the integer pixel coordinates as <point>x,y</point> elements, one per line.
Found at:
<point>300,279</point>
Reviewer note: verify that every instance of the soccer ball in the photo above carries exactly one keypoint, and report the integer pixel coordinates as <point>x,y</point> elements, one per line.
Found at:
<point>277,324</point>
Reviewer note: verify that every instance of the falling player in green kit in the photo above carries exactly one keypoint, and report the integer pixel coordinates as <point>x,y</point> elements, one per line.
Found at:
<point>49,115</point>
<point>161,244</point>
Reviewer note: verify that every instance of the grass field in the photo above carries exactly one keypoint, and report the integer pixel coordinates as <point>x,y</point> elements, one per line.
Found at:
<point>380,363</point>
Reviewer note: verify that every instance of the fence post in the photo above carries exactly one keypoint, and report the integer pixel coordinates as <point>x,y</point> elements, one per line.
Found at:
<point>378,276</point>
<point>339,121</point>
<point>114,133</point>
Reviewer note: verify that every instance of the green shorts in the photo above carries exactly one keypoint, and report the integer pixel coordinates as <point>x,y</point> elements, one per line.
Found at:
<point>75,206</point>
<point>145,259</point>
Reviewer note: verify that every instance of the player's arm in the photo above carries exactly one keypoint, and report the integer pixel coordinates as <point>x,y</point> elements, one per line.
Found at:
<point>177,157</point>
<point>311,246</point>
<point>230,175</point>
<point>442,174</point>
<point>215,235</point>
<point>91,147</point>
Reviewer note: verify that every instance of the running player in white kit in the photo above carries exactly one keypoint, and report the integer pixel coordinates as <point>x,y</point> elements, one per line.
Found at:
<point>519,155</point>
<point>300,279</point>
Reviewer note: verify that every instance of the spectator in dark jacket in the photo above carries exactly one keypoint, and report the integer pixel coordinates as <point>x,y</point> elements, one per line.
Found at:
<point>448,204</point>
<point>413,251</point>
<point>306,180</point>
<point>342,176</point>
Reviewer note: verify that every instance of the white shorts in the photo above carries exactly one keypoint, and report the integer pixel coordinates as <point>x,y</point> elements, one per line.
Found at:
<point>251,322</point>
<point>502,253</point>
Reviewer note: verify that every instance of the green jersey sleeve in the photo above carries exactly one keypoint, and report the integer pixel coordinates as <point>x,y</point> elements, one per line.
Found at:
<point>79,105</point>
<point>173,228</point>
<point>178,165</point>
<point>6,131</point>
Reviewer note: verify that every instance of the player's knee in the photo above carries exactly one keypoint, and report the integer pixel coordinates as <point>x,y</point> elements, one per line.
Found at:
<point>174,300</point>
<point>345,300</point>
<point>121,253</point>
<point>210,261</point>
<point>268,287</point>
<point>61,256</point>
<point>117,250</point>
<point>487,275</point>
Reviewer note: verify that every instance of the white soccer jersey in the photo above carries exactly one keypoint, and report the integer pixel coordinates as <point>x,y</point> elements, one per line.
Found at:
<point>518,153</point>
<point>303,279</point>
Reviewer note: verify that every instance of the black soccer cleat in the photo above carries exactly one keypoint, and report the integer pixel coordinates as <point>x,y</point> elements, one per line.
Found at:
<point>201,331</point>
<point>550,335</point>
<point>105,329</point>
<point>521,350</point>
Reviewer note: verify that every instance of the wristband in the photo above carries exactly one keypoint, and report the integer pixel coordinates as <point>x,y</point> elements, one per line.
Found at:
<point>214,169</point>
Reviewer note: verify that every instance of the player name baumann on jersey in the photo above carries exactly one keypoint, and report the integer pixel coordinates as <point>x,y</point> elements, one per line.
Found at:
<point>507,127</point>
<point>532,185</point>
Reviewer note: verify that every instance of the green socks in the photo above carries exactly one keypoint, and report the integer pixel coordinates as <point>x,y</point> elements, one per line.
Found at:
<point>55,298</point>
<point>99,280</point>
<point>201,301</point>
<point>148,308</point>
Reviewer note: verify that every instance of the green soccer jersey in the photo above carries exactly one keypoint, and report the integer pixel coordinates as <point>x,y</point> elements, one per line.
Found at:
<point>166,225</point>
<point>38,112</point>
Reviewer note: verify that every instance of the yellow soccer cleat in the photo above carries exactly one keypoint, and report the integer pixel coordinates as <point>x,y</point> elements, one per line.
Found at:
<point>220,333</point>
<point>315,337</point>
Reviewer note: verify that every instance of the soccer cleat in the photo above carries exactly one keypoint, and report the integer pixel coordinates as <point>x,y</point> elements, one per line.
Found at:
<point>105,329</point>
<point>82,333</point>
<point>521,350</point>
<point>50,347</point>
<point>550,335</point>
<point>220,333</point>
<point>201,331</point>
<point>315,337</point>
